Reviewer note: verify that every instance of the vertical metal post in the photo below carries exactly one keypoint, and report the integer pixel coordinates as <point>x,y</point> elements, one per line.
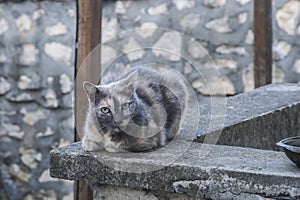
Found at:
<point>262,42</point>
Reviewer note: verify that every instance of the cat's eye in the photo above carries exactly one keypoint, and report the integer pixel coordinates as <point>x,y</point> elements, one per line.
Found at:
<point>125,106</point>
<point>105,110</point>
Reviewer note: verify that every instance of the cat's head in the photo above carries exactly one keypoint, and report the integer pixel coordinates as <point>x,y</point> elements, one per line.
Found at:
<point>117,104</point>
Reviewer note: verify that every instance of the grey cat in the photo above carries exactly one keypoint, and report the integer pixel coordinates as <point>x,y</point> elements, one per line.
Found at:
<point>138,111</point>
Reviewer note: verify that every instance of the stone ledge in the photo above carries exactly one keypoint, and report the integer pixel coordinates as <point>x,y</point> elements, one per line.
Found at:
<point>260,118</point>
<point>224,171</point>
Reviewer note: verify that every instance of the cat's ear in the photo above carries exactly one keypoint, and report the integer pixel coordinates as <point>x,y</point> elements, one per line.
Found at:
<point>94,92</point>
<point>89,88</point>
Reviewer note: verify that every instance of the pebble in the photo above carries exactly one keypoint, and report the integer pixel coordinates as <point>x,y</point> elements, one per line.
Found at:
<point>29,54</point>
<point>51,99</point>
<point>243,2</point>
<point>219,25</point>
<point>59,52</point>
<point>55,30</point>
<point>66,83</point>
<point>46,194</point>
<point>180,5</point>
<point>133,50</point>
<point>31,118</point>
<point>158,10</point>
<point>288,16</point>
<point>243,17</point>
<point>110,27</point>
<point>108,54</point>
<point>45,177</point>
<point>214,86</point>
<point>227,49</point>
<point>168,46</point>
<point>16,171</point>
<point>12,130</point>
<point>249,37</point>
<point>121,6</point>
<point>47,133</point>
<point>197,49</point>
<point>281,49</point>
<point>296,66</point>
<point>147,29</point>
<point>224,63</point>
<point>3,26</point>
<point>37,14</point>
<point>190,21</point>
<point>30,157</point>
<point>31,82</point>
<point>214,3</point>
<point>4,85</point>
<point>24,23</point>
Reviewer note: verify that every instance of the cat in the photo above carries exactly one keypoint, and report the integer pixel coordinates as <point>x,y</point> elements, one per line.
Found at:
<point>138,111</point>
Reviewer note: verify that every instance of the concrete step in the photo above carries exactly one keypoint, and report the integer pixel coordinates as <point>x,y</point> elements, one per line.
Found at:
<point>257,119</point>
<point>203,171</point>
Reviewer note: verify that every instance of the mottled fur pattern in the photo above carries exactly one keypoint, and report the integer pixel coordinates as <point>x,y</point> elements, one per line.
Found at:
<point>138,111</point>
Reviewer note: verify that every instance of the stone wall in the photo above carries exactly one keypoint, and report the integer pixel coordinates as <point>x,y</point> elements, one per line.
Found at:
<point>36,90</point>
<point>224,28</point>
<point>36,68</point>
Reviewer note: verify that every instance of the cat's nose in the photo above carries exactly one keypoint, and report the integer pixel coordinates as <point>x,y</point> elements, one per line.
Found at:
<point>117,130</point>
<point>118,122</point>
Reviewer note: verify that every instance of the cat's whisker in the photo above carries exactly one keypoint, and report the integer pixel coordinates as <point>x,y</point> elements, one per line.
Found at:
<point>102,127</point>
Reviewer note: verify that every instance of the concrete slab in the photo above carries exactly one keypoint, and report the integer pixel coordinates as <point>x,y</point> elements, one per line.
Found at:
<point>204,171</point>
<point>257,119</point>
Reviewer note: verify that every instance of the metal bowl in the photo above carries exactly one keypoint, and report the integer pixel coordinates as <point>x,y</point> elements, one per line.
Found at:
<point>291,148</point>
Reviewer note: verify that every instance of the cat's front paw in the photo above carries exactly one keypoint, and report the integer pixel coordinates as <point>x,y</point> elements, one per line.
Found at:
<point>89,145</point>
<point>113,149</point>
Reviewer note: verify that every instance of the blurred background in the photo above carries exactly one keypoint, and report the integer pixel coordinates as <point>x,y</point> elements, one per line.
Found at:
<point>37,53</point>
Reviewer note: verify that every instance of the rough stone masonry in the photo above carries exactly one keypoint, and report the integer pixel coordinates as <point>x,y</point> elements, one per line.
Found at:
<point>36,95</point>
<point>224,28</point>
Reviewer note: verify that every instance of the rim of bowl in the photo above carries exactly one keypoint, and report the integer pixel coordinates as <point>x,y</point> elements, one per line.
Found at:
<point>283,144</point>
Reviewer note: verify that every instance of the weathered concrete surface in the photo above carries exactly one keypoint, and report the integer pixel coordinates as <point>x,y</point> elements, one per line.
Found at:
<point>109,192</point>
<point>260,118</point>
<point>223,173</point>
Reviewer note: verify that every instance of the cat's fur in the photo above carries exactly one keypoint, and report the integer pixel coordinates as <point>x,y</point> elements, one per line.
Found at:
<point>151,119</point>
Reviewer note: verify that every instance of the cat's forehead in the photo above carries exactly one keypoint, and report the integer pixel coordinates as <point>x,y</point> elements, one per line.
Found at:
<point>114,101</point>
<point>118,90</point>
<point>115,95</point>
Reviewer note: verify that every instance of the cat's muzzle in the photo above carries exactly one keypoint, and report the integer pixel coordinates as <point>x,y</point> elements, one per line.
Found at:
<point>117,130</point>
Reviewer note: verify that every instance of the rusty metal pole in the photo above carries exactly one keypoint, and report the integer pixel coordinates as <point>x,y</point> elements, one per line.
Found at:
<point>262,42</point>
<point>89,15</point>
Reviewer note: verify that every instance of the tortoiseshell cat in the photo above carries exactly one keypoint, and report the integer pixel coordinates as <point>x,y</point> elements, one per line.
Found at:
<point>138,111</point>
